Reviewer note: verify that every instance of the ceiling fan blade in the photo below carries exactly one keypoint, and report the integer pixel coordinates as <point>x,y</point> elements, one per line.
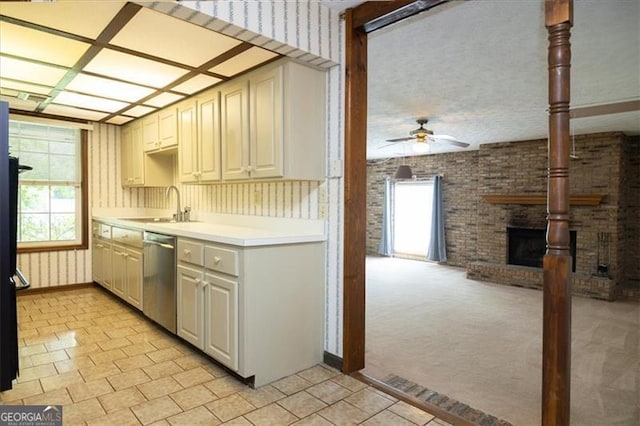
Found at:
<point>385,145</point>
<point>450,140</point>
<point>401,139</point>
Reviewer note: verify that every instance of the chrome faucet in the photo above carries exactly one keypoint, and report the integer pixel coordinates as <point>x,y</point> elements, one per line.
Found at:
<point>178,213</point>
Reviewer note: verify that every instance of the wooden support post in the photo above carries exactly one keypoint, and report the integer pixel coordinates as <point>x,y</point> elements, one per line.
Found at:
<point>355,197</point>
<point>556,338</point>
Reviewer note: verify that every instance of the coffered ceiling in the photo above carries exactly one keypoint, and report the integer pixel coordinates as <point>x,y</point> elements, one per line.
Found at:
<point>110,61</point>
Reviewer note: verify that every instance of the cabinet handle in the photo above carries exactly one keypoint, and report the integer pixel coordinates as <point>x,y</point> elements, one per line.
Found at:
<point>99,246</point>
<point>187,252</point>
<point>216,259</point>
<point>249,169</point>
<point>197,280</point>
<point>204,285</point>
<point>125,255</point>
<point>243,169</point>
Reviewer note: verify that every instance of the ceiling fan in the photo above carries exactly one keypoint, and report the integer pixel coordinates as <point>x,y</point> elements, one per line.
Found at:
<point>421,136</point>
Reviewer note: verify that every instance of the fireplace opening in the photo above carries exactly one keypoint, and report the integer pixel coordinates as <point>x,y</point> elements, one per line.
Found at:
<point>526,246</point>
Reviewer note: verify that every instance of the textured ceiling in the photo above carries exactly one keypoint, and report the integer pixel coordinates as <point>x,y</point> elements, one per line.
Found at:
<point>478,71</point>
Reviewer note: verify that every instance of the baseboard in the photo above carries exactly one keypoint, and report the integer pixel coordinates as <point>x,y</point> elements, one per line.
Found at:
<point>332,360</point>
<point>31,291</point>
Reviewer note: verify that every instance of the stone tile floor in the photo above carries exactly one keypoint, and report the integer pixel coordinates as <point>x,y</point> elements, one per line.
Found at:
<point>108,365</point>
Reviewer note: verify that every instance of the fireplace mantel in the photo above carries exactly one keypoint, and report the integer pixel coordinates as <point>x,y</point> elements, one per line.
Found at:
<point>575,200</point>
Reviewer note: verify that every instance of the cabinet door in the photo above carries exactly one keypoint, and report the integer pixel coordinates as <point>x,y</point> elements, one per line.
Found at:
<point>125,156</point>
<point>221,320</point>
<point>133,271</point>
<point>189,301</point>
<point>267,145</point>
<point>107,266</point>
<point>150,139</point>
<point>167,128</point>
<point>234,126</point>
<point>137,155</point>
<point>209,137</point>
<point>187,137</point>
<point>96,260</point>
<point>118,269</point>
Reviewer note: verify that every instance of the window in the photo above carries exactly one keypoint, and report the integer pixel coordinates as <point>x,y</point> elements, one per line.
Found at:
<point>52,208</point>
<point>412,217</point>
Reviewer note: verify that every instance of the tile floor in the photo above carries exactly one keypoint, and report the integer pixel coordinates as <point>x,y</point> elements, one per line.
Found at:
<point>108,365</point>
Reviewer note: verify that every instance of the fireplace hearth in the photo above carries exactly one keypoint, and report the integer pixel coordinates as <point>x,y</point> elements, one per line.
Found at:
<point>526,246</point>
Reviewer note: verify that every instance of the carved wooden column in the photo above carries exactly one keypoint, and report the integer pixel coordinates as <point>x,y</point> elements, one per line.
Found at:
<point>355,196</point>
<point>556,346</point>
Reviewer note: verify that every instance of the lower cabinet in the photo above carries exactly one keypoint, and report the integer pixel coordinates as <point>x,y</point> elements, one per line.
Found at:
<point>117,263</point>
<point>127,274</point>
<point>102,272</point>
<point>208,313</point>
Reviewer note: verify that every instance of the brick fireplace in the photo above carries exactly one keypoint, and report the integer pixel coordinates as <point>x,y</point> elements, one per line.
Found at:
<point>606,171</point>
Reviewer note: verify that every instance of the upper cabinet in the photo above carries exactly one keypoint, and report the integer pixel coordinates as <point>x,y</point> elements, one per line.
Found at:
<point>273,124</point>
<point>159,130</point>
<point>138,168</point>
<point>267,124</point>
<point>199,138</point>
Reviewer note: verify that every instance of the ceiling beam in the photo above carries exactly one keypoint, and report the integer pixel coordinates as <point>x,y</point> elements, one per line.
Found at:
<point>605,109</point>
<point>374,15</point>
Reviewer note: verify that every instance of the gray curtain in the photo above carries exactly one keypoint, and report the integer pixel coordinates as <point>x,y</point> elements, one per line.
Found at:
<point>437,246</point>
<point>386,237</point>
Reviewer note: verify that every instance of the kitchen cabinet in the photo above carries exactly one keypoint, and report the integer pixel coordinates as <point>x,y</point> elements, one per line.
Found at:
<point>139,168</point>
<point>101,258</point>
<point>199,135</point>
<point>237,304</point>
<point>190,304</point>
<point>208,302</point>
<point>127,274</point>
<point>159,130</point>
<point>132,160</point>
<point>273,123</point>
<point>117,262</point>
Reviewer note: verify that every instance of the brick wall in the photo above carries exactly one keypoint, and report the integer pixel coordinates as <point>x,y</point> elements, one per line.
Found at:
<point>608,163</point>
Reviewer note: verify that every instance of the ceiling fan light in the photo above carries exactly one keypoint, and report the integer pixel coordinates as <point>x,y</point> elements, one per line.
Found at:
<point>420,148</point>
<point>403,172</point>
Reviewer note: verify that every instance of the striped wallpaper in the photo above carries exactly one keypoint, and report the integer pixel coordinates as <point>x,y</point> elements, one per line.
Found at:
<point>306,30</point>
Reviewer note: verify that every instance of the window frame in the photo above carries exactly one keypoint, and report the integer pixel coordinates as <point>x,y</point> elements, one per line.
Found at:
<point>83,215</point>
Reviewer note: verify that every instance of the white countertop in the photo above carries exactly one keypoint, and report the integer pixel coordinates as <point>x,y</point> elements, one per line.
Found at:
<point>237,230</point>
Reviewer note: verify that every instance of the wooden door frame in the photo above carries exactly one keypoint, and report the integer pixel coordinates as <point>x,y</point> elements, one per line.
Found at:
<point>557,263</point>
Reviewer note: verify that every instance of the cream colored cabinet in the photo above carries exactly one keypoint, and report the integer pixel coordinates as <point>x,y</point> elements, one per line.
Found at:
<point>150,139</point>
<point>101,254</point>
<point>133,277</point>
<point>127,264</point>
<point>273,124</point>
<point>221,319</point>
<point>234,124</point>
<point>208,300</point>
<point>190,304</point>
<point>160,130</point>
<point>199,134</point>
<point>118,266</point>
<point>188,141</point>
<point>209,137</point>
<point>132,160</point>
<point>139,168</point>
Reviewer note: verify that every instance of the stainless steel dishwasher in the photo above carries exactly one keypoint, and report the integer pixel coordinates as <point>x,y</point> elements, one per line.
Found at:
<point>159,287</point>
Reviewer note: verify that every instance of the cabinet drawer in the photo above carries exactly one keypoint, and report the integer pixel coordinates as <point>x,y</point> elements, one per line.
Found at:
<point>221,259</point>
<point>190,251</point>
<point>129,237</point>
